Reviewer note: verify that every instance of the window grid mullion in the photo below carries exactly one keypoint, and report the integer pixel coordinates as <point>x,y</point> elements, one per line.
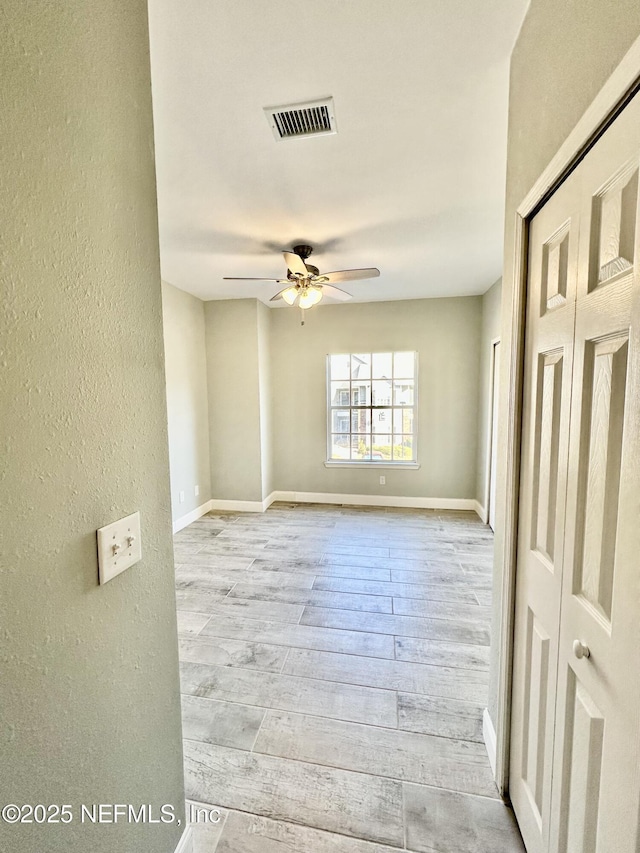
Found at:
<point>371,408</point>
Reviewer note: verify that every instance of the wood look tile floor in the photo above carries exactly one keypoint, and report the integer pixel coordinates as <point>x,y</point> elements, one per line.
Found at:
<point>334,669</point>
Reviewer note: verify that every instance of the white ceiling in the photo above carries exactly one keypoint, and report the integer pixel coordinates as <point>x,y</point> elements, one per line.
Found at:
<point>413,182</point>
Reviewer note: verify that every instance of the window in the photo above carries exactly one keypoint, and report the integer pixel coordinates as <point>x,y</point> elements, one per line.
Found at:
<point>372,404</point>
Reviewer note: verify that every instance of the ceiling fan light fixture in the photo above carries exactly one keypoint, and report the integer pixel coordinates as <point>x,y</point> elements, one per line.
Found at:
<point>305,286</point>
<point>309,297</point>
<point>290,294</point>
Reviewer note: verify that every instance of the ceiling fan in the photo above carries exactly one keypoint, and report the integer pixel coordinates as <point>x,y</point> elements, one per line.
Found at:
<point>305,286</point>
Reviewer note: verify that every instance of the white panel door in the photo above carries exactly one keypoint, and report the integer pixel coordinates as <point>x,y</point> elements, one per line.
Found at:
<point>553,260</point>
<point>596,796</point>
<point>576,697</point>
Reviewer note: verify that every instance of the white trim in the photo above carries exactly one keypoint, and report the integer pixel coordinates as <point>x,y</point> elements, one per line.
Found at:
<point>480,511</point>
<point>335,498</point>
<point>185,845</point>
<point>607,103</point>
<point>376,500</point>
<point>238,506</point>
<point>507,556</point>
<point>335,463</point>
<point>266,503</point>
<point>489,735</point>
<point>190,517</point>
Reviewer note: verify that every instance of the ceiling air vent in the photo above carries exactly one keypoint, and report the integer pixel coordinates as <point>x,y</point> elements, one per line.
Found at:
<point>298,121</point>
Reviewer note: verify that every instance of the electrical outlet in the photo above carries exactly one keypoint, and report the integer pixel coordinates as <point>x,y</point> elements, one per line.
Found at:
<point>181,497</point>
<point>197,490</point>
<point>383,481</point>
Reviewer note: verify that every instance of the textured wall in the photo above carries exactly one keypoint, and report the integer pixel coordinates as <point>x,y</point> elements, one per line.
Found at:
<point>89,705</point>
<point>446,335</point>
<point>187,406</point>
<point>490,331</point>
<point>562,58</point>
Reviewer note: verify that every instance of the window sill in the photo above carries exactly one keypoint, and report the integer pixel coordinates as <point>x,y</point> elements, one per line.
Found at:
<point>365,464</point>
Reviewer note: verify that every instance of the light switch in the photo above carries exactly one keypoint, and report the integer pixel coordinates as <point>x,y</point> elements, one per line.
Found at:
<point>181,497</point>
<point>197,490</point>
<point>119,546</point>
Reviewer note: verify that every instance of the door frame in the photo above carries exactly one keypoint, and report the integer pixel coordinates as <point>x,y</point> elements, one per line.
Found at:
<point>490,447</point>
<point>621,86</point>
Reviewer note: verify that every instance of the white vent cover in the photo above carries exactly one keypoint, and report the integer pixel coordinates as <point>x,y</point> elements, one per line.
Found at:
<point>298,121</point>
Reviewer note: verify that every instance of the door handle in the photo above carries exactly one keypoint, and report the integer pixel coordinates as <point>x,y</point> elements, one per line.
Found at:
<point>581,650</point>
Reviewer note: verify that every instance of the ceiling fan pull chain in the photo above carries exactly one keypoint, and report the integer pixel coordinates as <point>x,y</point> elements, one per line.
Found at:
<point>302,316</point>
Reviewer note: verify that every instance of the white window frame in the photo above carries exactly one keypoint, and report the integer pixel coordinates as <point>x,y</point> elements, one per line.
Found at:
<point>372,463</point>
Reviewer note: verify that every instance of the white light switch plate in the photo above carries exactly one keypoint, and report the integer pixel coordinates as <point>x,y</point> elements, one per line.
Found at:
<point>119,546</point>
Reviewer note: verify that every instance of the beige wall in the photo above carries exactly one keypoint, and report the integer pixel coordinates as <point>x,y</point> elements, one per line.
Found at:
<point>267,395</point>
<point>89,701</point>
<point>265,386</point>
<point>233,377</point>
<point>562,58</point>
<point>444,332</point>
<point>187,405</point>
<point>490,331</point>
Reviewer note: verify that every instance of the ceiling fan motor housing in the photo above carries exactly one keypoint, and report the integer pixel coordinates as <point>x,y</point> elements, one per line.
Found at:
<point>303,251</point>
<point>312,271</point>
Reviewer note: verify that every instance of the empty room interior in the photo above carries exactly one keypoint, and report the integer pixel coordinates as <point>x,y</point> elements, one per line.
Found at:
<point>320,392</point>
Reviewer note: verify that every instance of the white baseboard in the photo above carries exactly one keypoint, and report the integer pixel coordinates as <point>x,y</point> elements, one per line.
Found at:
<point>192,516</point>
<point>185,845</point>
<point>489,735</point>
<point>468,504</point>
<point>374,500</point>
<point>266,503</point>
<point>481,511</point>
<point>239,506</point>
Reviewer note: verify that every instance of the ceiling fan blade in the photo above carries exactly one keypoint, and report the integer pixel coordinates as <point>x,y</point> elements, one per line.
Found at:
<point>295,263</point>
<point>350,275</point>
<point>335,293</point>
<point>235,278</point>
<point>275,280</point>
